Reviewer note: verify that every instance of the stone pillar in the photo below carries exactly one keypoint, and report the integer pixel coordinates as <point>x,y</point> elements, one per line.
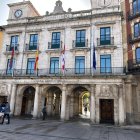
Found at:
<point>57,105</point>
<point>63,104</point>
<point>129,104</point>
<point>13,97</point>
<point>36,101</point>
<point>92,103</point>
<point>121,106</point>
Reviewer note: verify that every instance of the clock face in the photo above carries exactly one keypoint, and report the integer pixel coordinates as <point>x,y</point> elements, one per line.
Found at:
<point>104,3</point>
<point>18,13</point>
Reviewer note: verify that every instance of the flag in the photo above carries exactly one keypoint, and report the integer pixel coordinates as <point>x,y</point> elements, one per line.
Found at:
<point>11,60</point>
<point>94,59</point>
<point>63,59</point>
<point>36,60</point>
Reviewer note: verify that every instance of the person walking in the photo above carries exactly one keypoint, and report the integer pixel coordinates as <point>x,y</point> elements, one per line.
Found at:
<point>44,112</point>
<point>6,113</point>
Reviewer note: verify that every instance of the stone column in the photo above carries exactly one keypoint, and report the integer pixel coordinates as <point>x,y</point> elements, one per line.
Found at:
<point>121,106</point>
<point>63,103</point>
<point>36,101</point>
<point>13,99</point>
<point>92,103</point>
<point>129,104</point>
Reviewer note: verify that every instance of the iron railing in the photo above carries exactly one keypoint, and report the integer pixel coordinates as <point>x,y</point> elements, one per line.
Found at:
<point>80,44</point>
<point>55,45</point>
<point>132,14</point>
<point>133,38</point>
<point>9,48</point>
<point>106,41</point>
<point>134,65</point>
<point>59,72</point>
<point>31,47</point>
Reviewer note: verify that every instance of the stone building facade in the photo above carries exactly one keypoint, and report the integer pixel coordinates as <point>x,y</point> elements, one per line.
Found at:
<point>74,37</point>
<point>131,41</point>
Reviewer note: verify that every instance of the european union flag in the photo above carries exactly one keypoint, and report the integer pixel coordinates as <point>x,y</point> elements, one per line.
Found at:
<point>94,59</point>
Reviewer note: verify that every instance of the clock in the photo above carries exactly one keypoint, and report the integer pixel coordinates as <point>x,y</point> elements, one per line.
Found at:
<point>104,3</point>
<point>18,13</point>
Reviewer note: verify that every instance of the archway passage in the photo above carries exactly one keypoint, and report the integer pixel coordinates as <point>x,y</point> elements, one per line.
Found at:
<point>28,101</point>
<point>80,103</point>
<point>52,100</point>
<point>106,111</point>
<point>3,99</point>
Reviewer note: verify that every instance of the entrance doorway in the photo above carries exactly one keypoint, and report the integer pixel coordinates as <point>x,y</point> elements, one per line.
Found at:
<point>106,111</point>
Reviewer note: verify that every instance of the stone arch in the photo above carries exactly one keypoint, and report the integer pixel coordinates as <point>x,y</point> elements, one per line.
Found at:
<point>76,105</point>
<point>51,98</point>
<point>25,98</point>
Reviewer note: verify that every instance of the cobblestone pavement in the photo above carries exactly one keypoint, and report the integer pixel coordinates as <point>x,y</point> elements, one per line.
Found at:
<point>20,129</point>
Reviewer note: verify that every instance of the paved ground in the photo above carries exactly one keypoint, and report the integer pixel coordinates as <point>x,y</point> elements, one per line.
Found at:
<point>20,129</point>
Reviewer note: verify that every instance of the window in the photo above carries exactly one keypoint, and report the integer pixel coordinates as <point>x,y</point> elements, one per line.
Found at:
<point>80,38</point>
<point>79,64</point>
<point>10,66</point>
<point>136,6</point>
<point>138,55</point>
<point>105,63</point>
<point>54,65</point>
<point>30,65</point>
<point>33,42</point>
<point>55,40</point>
<point>105,36</point>
<point>14,42</point>
<point>137,30</point>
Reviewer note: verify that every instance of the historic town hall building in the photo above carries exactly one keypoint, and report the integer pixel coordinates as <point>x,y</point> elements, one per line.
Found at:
<point>67,61</point>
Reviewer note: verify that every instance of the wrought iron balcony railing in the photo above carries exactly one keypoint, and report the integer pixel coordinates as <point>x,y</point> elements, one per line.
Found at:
<point>58,72</point>
<point>133,38</point>
<point>132,14</point>
<point>105,42</point>
<point>80,44</point>
<point>55,45</point>
<point>9,48</point>
<point>31,47</point>
<point>134,65</point>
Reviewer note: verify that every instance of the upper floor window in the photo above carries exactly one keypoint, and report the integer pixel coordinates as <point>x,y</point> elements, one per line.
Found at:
<point>105,63</point>
<point>55,40</point>
<point>105,34</point>
<point>138,55</point>
<point>136,6</point>
<point>33,44</point>
<point>137,30</point>
<point>14,42</point>
<point>30,65</point>
<point>79,64</point>
<point>80,38</point>
<point>54,65</point>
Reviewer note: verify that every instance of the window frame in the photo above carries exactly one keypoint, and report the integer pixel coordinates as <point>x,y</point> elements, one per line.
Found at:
<point>55,42</point>
<point>33,45</point>
<point>138,23</point>
<point>14,43</point>
<point>30,71</point>
<point>137,59</point>
<point>105,69</point>
<point>54,70</point>
<point>78,70</point>
<point>80,41</point>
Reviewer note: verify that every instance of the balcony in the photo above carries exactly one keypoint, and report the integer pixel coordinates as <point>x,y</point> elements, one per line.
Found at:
<point>133,14</point>
<point>134,66</point>
<point>133,39</point>
<point>31,48</point>
<point>9,49</point>
<point>68,72</point>
<point>55,45</point>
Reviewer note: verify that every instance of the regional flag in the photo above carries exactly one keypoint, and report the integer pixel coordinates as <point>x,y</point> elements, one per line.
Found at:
<point>36,60</point>
<point>12,59</point>
<point>94,59</point>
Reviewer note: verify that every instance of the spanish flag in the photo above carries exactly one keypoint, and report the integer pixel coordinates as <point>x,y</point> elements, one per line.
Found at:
<point>36,60</point>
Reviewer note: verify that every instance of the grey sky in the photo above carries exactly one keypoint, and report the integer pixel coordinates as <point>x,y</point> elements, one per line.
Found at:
<point>43,5</point>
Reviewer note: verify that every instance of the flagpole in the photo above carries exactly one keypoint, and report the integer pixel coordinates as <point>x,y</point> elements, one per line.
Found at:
<point>13,62</point>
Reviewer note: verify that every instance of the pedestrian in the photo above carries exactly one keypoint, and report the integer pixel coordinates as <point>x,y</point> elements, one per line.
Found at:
<point>85,109</point>
<point>6,113</point>
<point>44,112</point>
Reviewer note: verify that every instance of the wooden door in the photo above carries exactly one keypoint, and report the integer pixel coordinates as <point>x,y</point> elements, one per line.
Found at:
<point>106,111</point>
<point>24,100</point>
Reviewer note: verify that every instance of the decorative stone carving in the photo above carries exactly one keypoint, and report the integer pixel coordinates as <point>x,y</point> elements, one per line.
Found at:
<point>3,90</point>
<point>58,9</point>
<point>106,91</point>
